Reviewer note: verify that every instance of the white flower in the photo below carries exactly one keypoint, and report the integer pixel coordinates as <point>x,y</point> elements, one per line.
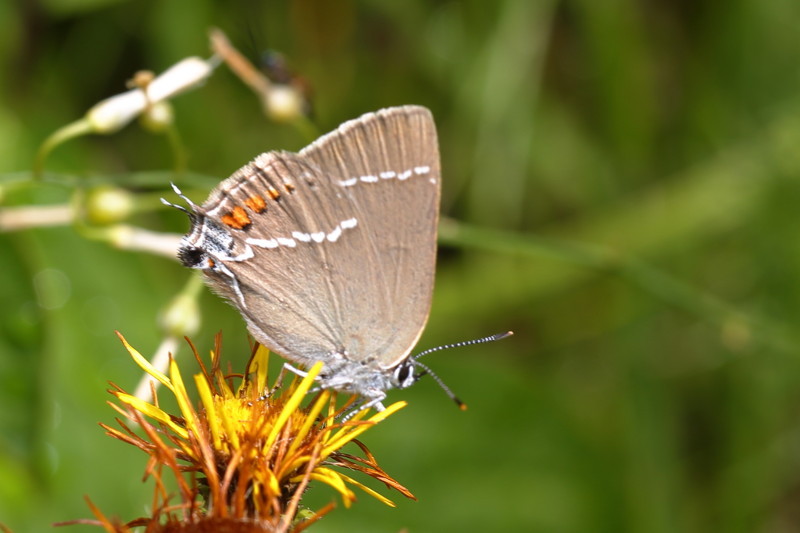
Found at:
<point>113,113</point>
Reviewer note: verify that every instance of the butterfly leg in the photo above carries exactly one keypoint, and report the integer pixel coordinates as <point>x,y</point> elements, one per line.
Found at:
<point>364,404</point>
<point>301,373</point>
<point>294,370</point>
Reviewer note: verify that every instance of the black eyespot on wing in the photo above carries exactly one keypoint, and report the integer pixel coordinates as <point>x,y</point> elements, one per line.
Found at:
<point>190,256</point>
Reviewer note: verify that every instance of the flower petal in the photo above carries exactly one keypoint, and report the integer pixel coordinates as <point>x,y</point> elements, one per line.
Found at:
<point>144,364</point>
<point>293,403</point>
<point>153,412</point>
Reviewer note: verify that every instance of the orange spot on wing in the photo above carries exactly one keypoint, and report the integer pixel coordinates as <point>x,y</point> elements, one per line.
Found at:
<point>273,193</point>
<point>236,219</point>
<point>289,187</point>
<point>256,203</point>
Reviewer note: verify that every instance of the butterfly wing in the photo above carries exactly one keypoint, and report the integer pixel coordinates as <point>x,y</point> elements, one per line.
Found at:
<point>339,240</point>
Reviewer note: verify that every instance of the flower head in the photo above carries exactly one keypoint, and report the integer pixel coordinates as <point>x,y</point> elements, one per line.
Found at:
<point>244,455</point>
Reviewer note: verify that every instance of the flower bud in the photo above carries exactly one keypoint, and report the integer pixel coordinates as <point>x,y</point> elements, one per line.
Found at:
<point>113,113</point>
<point>107,205</point>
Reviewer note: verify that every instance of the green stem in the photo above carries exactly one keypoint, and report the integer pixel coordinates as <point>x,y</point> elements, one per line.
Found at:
<point>180,159</point>
<point>61,135</point>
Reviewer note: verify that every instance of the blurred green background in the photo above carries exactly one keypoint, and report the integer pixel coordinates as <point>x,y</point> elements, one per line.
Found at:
<point>622,187</point>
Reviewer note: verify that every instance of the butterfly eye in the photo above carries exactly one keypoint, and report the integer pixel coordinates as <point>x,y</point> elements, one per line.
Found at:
<point>404,376</point>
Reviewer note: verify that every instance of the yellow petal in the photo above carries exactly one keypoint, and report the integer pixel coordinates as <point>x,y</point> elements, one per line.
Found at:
<point>333,479</point>
<point>182,397</point>
<point>378,496</point>
<point>348,433</point>
<point>144,364</point>
<point>207,397</point>
<point>293,403</point>
<point>153,412</point>
<point>231,426</point>
<point>311,418</point>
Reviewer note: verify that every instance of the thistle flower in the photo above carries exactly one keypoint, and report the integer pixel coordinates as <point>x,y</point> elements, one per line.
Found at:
<point>244,456</point>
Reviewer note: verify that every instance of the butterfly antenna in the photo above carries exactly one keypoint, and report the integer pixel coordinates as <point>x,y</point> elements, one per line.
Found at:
<point>182,197</point>
<point>425,370</point>
<point>445,388</point>
<point>490,338</point>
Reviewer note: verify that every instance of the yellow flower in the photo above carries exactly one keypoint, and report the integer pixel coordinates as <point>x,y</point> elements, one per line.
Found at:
<point>243,456</point>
